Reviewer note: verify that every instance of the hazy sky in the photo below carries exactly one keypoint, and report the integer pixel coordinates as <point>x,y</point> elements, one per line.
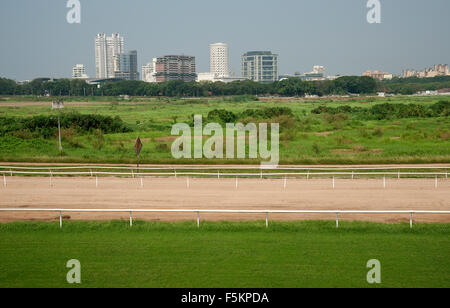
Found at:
<point>37,41</point>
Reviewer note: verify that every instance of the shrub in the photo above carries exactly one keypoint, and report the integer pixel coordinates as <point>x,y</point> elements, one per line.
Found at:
<point>378,132</point>
<point>316,149</point>
<point>98,139</point>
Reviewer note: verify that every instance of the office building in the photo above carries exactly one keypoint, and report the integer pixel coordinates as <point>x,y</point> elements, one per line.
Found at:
<point>79,72</point>
<point>219,60</point>
<point>260,66</point>
<point>175,67</point>
<point>149,71</point>
<point>125,66</point>
<point>106,49</point>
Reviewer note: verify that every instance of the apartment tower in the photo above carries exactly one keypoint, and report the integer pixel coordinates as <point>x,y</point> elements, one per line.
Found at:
<point>107,48</point>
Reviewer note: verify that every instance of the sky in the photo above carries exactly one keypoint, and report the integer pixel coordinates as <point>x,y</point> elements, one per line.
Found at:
<point>37,40</point>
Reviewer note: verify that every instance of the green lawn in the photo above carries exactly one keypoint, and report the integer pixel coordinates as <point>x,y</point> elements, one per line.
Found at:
<point>246,254</point>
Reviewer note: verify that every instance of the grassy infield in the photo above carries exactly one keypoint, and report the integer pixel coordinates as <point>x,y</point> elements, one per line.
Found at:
<point>288,254</point>
<point>311,139</point>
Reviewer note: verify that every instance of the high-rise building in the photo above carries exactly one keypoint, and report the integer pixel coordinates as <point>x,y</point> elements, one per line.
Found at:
<point>149,71</point>
<point>125,66</point>
<point>106,49</point>
<point>79,72</point>
<point>219,60</point>
<point>175,67</point>
<point>260,66</point>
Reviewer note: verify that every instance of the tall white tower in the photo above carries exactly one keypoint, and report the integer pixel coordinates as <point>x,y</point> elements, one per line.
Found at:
<point>106,50</point>
<point>219,60</point>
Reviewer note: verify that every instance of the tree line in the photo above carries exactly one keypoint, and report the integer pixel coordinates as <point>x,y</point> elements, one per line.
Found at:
<point>288,87</point>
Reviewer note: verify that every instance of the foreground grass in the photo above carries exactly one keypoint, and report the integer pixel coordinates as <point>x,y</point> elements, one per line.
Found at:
<point>245,254</point>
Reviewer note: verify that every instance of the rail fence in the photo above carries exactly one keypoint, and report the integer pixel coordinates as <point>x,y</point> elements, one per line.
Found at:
<point>228,172</point>
<point>224,171</point>
<point>198,212</point>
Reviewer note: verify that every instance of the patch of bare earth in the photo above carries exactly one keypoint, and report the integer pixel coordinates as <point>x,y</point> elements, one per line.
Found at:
<point>323,134</point>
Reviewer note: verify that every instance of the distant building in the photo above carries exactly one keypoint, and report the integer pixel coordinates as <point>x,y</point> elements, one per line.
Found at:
<point>260,66</point>
<point>378,75</point>
<point>437,70</point>
<point>174,67</point>
<point>211,77</point>
<point>219,70</point>
<point>219,60</point>
<point>148,71</point>
<point>106,49</point>
<point>125,66</point>
<point>317,74</point>
<point>79,72</point>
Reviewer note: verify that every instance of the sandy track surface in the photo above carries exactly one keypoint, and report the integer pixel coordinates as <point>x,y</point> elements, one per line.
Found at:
<point>251,194</point>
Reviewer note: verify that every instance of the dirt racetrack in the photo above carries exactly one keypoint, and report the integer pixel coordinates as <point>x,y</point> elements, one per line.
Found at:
<point>203,193</point>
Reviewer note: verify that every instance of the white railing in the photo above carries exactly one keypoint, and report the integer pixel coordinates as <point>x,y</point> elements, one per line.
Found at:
<point>198,212</point>
<point>225,167</point>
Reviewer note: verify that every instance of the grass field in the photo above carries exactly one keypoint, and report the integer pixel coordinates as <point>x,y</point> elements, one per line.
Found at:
<point>288,254</point>
<point>309,139</point>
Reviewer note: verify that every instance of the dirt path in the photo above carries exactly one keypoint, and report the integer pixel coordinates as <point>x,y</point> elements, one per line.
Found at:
<point>68,104</point>
<point>251,194</point>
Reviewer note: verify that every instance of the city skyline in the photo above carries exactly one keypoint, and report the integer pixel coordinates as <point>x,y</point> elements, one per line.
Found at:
<point>38,41</point>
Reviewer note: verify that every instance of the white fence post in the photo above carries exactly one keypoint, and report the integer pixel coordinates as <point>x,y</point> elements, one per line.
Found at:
<point>334,184</point>
<point>384,182</point>
<point>51,178</point>
<point>175,171</point>
<point>142,183</point>
<point>337,220</point>
<point>198,219</point>
<point>285,181</point>
<point>237,183</point>
<point>188,185</point>
<point>131,218</point>
<point>267,219</point>
<point>96,180</point>
<point>436,182</point>
<point>411,220</point>
<point>218,174</point>
<point>60,219</point>
<point>4,180</point>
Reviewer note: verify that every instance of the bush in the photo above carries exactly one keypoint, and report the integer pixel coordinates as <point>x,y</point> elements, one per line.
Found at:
<point>47,126</point>
<point>389,111</point>
<point>98,140</point>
